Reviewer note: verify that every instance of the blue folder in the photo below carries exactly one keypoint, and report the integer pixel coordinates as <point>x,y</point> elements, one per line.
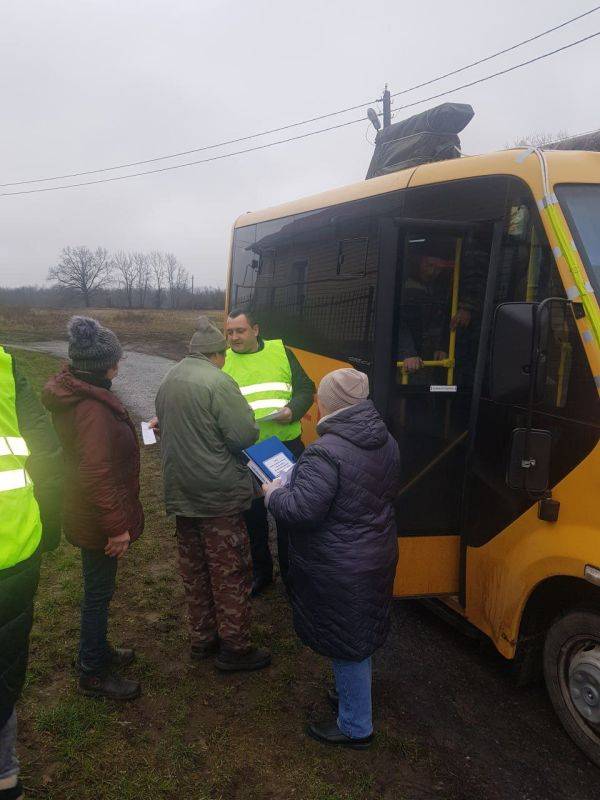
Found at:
<point>269,459</point>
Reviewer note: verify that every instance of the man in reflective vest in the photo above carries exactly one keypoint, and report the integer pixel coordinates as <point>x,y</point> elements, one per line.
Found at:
<point>30,499</point>
<point>276,387</point>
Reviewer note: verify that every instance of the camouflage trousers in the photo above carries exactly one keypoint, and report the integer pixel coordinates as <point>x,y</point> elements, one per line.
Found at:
<point>214,563</point>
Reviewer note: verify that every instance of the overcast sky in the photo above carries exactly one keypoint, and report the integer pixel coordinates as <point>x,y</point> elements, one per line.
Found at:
<point>93,84</point>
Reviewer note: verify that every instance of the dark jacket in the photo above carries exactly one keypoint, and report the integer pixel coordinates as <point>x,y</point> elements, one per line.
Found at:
<point>205,423</point>
<point>343,545</point>
<point>102,461</point>
<point>18,584</point>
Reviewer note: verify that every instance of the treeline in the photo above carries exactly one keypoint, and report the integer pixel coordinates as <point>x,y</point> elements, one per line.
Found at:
<point>118,280</point>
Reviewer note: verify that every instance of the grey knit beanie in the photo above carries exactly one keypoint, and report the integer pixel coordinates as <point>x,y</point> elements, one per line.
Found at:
<point>342,388</point>
<point>208,338</point>
<point>92,348</point>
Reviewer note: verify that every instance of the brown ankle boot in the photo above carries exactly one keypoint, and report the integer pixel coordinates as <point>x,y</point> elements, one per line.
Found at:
<point>110,685</point>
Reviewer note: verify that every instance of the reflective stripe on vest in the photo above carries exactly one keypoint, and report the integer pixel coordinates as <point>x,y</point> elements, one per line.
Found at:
<point>13,445</point>
<point>265,380</point>
<point>20,524</point>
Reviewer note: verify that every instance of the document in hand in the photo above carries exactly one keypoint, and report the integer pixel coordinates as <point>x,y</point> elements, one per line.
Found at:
<point>269,459</point>
<point>148,436</point>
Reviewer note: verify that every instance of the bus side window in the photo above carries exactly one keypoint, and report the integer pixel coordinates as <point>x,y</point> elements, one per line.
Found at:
<point>528,273</point>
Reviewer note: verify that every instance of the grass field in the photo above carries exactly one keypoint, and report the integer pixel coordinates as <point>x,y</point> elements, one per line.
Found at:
<point>159,332</point>
<point>194,733</point>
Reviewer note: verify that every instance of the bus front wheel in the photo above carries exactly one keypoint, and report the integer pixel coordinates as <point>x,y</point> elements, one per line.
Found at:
<point>572,674</point>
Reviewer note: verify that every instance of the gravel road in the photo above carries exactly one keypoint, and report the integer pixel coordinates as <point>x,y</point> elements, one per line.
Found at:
<point>138,379</point>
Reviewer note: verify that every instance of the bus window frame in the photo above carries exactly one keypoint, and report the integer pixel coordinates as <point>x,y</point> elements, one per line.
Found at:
<point>575,233</point>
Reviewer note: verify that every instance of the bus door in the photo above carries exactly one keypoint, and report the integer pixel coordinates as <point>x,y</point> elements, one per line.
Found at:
<point>565,410</point>
<point>441,271</point>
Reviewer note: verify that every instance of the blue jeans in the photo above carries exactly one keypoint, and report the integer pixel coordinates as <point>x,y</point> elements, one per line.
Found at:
<point>9,764</point>
<point>353,684</point>
<point>99,574</point>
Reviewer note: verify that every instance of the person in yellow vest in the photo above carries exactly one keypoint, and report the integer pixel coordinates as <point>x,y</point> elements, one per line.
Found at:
<point>273,382</point>
<point>30,501</point>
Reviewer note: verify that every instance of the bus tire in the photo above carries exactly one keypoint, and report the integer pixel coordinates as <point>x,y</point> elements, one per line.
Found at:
<point>572,674</point>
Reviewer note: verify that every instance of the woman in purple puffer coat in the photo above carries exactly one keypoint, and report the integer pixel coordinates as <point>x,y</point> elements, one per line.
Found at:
<point>338,504</point>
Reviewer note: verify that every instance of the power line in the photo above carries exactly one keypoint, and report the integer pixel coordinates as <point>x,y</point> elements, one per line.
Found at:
<point>497,74</point>
<point>303,135</point>
<point>306,121</point>
<point>567,138</point>
<point>499,53</point>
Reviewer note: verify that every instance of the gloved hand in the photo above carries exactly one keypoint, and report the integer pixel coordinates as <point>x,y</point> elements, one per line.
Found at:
<point>269,488</point>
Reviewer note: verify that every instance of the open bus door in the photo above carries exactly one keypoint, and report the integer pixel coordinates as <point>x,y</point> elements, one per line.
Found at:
<point>434,308</point>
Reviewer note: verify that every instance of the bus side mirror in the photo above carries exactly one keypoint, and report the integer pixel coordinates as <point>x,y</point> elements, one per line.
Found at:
<point>519,340</point>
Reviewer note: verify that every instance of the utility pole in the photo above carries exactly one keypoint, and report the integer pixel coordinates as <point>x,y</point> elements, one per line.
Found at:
<point>387,107</point>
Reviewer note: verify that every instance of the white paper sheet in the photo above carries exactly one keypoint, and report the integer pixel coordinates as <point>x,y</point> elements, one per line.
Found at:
<point>278,464</point>
<point>148,436</point>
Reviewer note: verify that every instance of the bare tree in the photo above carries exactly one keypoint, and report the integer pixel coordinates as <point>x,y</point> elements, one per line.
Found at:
<point>181,282</point>
<point>539,139</point>
<point>126,274</point>
<point>82,270</point>
<point>142,276</point>
<point>171,267</point>
<point>157,265</point>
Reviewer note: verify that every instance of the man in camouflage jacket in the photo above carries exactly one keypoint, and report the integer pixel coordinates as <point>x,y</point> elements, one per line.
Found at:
<point>204,425</point>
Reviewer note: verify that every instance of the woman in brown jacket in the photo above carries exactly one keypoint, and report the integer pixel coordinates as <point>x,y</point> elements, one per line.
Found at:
<point>102,510</point>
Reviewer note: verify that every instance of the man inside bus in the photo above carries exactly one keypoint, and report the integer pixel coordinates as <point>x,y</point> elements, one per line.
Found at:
<point>275,385</point>
<point>425,321</point>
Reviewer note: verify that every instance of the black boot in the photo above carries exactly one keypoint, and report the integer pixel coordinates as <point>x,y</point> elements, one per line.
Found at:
<point>117,657</point>
<point>329,733</point>
<point>204,650</point>
<point>333,699</point>
<point>232,661</point>
<point>120,656</point>
<point>110,685</point>
<point>13,792</point>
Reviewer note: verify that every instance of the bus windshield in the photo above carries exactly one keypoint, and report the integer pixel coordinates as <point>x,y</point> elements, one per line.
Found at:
<point>581,206</point>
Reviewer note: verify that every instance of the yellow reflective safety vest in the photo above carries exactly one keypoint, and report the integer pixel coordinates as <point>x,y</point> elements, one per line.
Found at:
<point>20,523</point>
<point>265,380</point>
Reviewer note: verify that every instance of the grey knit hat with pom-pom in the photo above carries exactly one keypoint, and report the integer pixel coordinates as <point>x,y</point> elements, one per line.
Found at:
<point>208,338</point>
<point>92,348</point>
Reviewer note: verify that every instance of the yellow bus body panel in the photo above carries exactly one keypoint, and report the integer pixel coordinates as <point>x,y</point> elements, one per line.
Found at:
<point>316,367</point>
<point>564,166</point>
<point>504,572</point>
<point>427,566</point>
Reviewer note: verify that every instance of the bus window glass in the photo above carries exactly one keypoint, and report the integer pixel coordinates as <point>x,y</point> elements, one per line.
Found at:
<point>244,266</point>
<point>528,272</point>
<point>581,206</point>
<point>315,274</point>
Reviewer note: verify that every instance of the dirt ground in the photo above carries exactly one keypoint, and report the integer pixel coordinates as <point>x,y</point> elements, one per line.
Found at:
<point>450,723</point>
<point>163,332</point>
<point>491,739</point>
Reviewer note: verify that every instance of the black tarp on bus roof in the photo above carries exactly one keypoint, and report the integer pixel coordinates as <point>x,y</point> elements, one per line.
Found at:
<point>428,136</point>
